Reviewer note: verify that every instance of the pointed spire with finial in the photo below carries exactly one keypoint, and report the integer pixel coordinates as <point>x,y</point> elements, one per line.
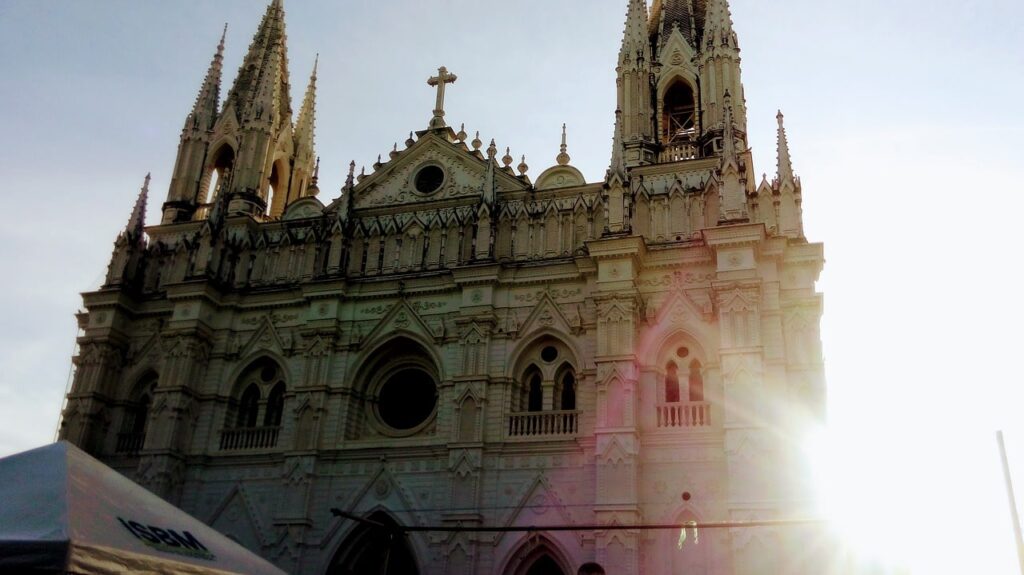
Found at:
<point>785,164</point>
<point>507,159</point>
<point>492,150</point>
<point>718,30</point>
<point>563,157</point>
<point>137,222</point>
<point>523,167</point>
<point>618,164</point>
<point>728,132</point>
<point>350,181</point>
<point>306,125</point>
<point>476,143</point>
<point>260,91</point>
<point>394,152</point>
<point>635,43</point>
<point>204,110</point>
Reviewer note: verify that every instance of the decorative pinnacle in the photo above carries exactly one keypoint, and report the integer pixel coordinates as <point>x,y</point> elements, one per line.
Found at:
<point>785,163</point>
<point>477,144</point>
<point>462,135</point>
<point>507,158</point>
<point>523,168</point>
<point>410,141</point>
<point>442,78</point>
<point>137,221</point>
<point>394,152</point>
<point>563,158</point>
<point>492,150</point>
<point>350,180</point>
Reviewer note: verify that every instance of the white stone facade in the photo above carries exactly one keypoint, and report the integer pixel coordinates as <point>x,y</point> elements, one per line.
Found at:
<point>449,343</point>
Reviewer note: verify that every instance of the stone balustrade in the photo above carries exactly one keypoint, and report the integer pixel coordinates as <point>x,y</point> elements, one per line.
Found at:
<point>686,414</point>
<point>543,424</point>
<point>242,438</point>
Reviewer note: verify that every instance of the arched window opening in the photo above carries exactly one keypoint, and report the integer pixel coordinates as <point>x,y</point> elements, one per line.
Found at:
<point>136,416</point>
<point>536,397</point>
<point>545,565</point>
<point>679,116</point>
<point>219,175</point>
<point>568,392</point>
<point>277,190</point>
<point>696,381</point>
<point>671,383</point>
<point>248,407</point>
<point>275,406</point>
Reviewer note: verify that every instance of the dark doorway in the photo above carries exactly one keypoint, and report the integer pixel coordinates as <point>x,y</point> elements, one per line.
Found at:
<point>545,565</point>
<point>367,548</point>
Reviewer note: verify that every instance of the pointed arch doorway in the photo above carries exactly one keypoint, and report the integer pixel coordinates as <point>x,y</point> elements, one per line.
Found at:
<point>538,556</point>
<point>371,550</point>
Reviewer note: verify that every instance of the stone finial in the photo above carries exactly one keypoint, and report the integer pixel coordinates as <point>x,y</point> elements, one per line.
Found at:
<point>523,168</point>
<point>461,136</point>
<point>477,144</point>
<point>507,158</point>
<point>492,150</point>
<point>350,180</point>
<point>563,158</point>
<point>362,174</point>
<point>394,152</point>
<point>785,163</point>
<point>377,164</point>
<point>137,221</point>
<point>410,141</point>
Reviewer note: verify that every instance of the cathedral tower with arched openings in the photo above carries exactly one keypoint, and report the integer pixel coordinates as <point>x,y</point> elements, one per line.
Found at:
<point>450,342</point>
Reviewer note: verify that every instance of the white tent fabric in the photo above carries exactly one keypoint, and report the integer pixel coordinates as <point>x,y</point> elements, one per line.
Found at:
<point>61,511</point>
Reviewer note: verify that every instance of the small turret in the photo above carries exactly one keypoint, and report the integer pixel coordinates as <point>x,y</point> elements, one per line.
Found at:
<point>130,243</point>
<point>183,197</point>
<point>788,194</point>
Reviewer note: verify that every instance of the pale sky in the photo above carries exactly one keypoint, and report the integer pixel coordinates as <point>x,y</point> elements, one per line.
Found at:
<point>904,120</point>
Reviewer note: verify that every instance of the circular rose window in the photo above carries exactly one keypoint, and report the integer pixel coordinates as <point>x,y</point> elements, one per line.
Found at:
<point>429,179</point>
<point>407,399</point>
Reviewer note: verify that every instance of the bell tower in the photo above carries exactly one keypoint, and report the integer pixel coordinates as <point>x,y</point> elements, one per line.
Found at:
<point>678,66</point>
<point>246,157</point>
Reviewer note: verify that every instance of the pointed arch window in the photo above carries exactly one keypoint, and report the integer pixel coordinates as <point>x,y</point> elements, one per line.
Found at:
<point>679,114</point>
<point>696,381</point>
<point>275,406</point>
<point>255,417</point>
<point>535,398</point>
<point>568,392</point>
<point>671,383</point>
<point>136,416</point>
<point>248,407</point>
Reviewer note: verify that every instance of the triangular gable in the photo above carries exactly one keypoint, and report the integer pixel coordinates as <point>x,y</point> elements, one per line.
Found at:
<point>264,338</point>
<point>538,493</point>
<point>383,490</point>
<point>546,315</point>
<point>679,306</point>
<point>400,318</point>
<point>390,182</point>
<point>611,449</point>
<point>238,517</point>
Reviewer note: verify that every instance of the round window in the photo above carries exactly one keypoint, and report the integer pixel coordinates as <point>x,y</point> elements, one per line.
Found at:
<point>549,354</point>
<point>429,179</point>
<point>407,399</point>
<point>682,352</point>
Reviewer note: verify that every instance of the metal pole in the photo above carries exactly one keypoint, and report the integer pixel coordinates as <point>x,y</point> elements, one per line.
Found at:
<point>1013,502</point>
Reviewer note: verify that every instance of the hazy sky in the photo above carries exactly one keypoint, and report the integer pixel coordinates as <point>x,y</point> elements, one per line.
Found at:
<point>905,124</point>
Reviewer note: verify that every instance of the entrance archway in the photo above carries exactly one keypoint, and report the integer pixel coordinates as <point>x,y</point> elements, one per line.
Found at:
<point>538,556</point>
<point>366,550</point>
<point>545,565</point>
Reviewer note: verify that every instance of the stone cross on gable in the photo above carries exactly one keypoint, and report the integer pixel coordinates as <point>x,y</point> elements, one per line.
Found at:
<point>442,78</point>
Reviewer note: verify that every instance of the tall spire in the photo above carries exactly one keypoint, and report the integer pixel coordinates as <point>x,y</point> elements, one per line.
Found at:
<point>137,222</point>
<point>204,111</point>
<point>635,43</point>
<point>785,164</point>
<point>618,165</point>
<point>260,91</point>
<point>669,15</point>
<point>305,127</point>
<point>718,25</point>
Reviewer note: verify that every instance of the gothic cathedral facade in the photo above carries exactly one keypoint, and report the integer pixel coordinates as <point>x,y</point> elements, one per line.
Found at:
<point>450,343</point>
